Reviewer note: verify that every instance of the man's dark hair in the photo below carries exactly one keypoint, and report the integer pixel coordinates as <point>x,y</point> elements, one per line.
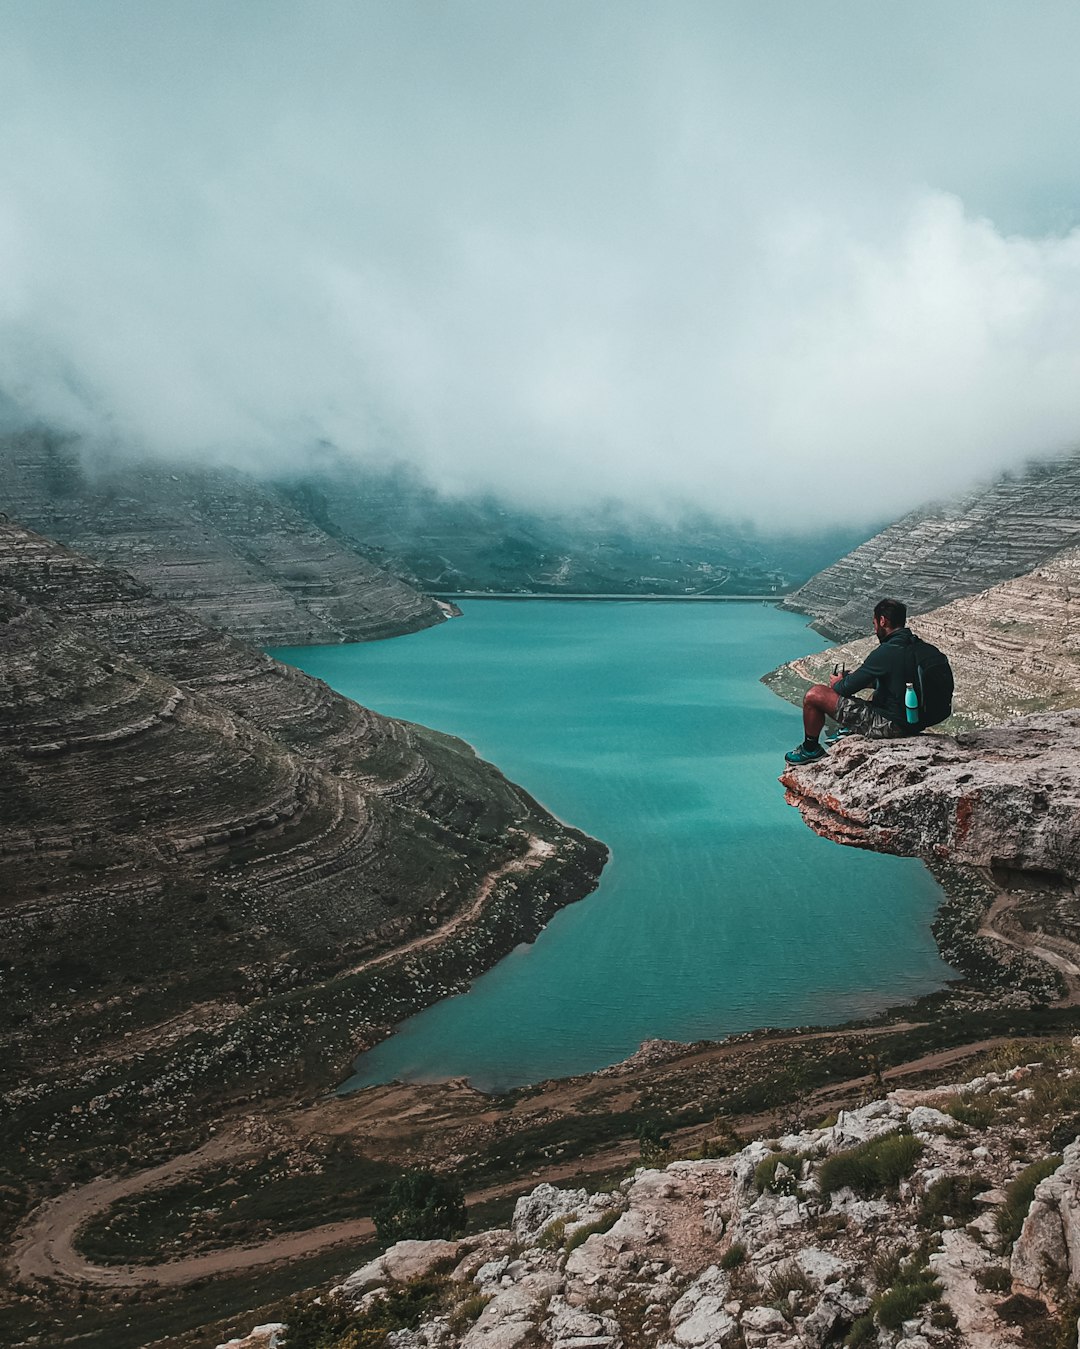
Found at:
<point>892,611</point>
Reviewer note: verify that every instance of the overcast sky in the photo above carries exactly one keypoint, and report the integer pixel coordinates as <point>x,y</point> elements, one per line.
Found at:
<point>566,248</point>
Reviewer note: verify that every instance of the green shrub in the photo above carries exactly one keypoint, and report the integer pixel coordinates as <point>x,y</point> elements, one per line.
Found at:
<point>994,1279</point>
<point>1010,1217</point>
<point>421,1207</point>
<point>951,1197</point>
<point>602,1224</point>
<point>734,1256</point>
<point>872,1167</point>
<point>862,1332</point>
<point>901,1302</point>
<point>765,1173</point>
<point>655,1148</point>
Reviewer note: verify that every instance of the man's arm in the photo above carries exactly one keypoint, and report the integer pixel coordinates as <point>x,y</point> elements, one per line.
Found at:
<point>869,672</point>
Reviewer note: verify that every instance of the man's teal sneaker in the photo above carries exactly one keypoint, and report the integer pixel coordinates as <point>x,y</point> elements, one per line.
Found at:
<point>800,754</point>
<point>841,733</point>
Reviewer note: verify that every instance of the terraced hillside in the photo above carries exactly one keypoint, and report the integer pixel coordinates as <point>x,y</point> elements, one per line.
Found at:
<point>210,859</point>
<point>946,551</point>
<point>234,552</point>
<point>1014,648</point>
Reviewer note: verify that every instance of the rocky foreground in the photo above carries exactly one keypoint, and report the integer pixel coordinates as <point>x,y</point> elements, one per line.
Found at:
<point>933,1218</point>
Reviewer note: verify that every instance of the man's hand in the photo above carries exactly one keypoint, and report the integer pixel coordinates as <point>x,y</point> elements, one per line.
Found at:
<point>834,680</point>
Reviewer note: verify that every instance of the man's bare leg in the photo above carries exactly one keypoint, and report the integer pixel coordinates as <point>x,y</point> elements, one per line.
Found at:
<point>819,702</point>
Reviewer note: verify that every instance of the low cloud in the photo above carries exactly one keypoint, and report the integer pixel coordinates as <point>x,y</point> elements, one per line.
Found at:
<point>561,252</point>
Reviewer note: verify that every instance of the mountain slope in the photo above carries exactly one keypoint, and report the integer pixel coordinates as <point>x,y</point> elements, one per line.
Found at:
<point>946,551</point>
<point>203,848</point>
<point>216,541</point>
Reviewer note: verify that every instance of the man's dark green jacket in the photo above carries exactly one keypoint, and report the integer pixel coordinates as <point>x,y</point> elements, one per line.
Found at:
<point>888,668</point>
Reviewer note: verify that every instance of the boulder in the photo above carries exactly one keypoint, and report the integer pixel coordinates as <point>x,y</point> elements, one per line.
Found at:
<point>268,1336</point>
<point>1047,1252</point>
<point>415,1259</point>
<point>534,1211</point>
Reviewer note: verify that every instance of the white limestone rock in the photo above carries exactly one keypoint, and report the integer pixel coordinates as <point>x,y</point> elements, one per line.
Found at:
<point>925,1123</point>
<point>820,1267</point>
<point>1048,1248</point>
<point>534,1211</point>
<point>570,1327</point>
<point>363,1280</point>
<point>512,1316</point>
<point>869,1121</point>
<point>415,1259</point>
<point>268,1336</point>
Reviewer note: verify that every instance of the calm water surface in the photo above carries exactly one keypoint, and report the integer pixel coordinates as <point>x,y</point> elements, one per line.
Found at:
<point>645,725</point>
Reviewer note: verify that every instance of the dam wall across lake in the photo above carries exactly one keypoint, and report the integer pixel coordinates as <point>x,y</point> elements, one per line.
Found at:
<point>543,595</point>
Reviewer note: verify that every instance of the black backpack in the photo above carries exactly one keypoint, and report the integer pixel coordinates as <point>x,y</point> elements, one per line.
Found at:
<point>931,674</point>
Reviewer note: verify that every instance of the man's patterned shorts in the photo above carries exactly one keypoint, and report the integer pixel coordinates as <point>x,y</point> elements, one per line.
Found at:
<point>857,715</point>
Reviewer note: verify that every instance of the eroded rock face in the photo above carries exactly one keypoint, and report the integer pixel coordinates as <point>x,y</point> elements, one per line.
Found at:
<point>1007,796</point>
<point>936,555</point>
<point>1047,1253</point>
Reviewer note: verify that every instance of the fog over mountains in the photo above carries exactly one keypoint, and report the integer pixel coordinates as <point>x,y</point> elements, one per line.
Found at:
<point>695,252</point>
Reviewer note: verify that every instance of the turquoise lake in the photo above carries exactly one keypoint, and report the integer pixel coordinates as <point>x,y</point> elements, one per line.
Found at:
<point>646,726</point>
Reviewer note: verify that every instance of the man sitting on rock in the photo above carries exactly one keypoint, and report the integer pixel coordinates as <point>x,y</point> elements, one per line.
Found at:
<point>884,716</point>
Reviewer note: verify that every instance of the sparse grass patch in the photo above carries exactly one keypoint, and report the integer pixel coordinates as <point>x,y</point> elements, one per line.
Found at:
<point>912,1292</point>
<point>465,1313</point>
<point>602,1224</point>
<point>734,1256</point>
<point>994,1279</point>
<point>951,1197</point>
<point>873,1167</point>
<point>553,1235</point>
<point>977,1112</point>
<point>787,1279</point>
<point>1010,1217</point>
<point>863,1332</point>
<point>330,1324</point>
<point>765,1173</point>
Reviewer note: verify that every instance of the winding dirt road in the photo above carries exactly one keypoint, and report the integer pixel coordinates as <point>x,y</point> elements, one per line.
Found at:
<point>45,1247</point>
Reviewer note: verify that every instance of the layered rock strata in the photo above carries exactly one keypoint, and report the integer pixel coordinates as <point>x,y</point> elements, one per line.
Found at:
<point>958,548</point>
<point>917,1221</point>
<point>235,553</point>
<point>189,825</point>
<point>1014,648</point>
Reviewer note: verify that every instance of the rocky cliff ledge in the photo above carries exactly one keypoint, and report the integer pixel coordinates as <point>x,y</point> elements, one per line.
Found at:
<point>929,1219</point>
<point>1005,798</point>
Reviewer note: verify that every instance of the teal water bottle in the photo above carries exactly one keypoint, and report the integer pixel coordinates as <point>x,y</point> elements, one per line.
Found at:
<point>911,704</point>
